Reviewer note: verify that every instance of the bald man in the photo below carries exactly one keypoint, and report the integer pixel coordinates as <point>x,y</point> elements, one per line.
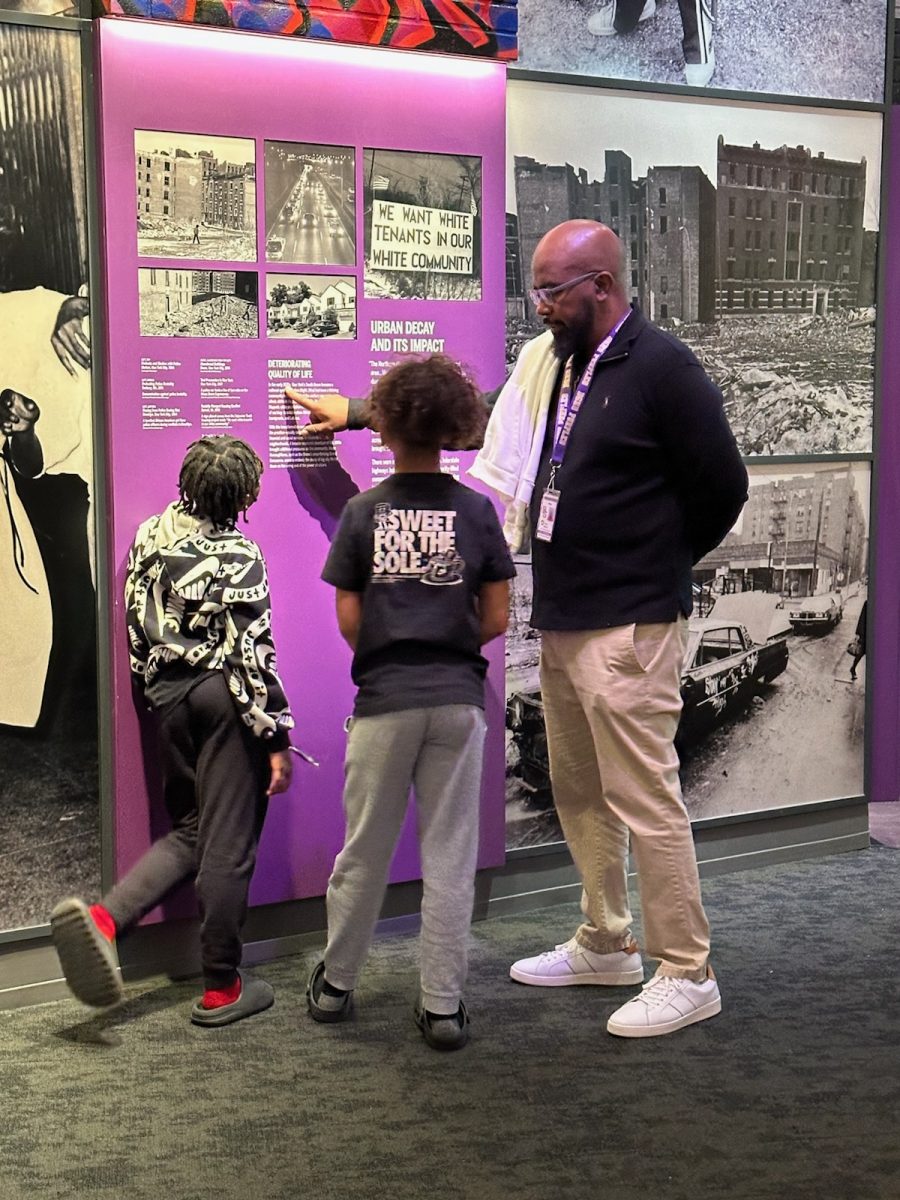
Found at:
<point>625,474</point>
<point>610,449</point>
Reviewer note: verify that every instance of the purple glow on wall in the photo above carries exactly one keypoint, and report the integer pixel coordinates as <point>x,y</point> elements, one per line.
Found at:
<point>227,85</point>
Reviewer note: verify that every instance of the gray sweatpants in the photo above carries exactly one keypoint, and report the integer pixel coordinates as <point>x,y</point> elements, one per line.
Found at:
<point>438,751</point>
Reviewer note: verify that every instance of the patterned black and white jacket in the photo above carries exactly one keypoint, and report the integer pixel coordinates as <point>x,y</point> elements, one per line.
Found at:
<point>199,596</point>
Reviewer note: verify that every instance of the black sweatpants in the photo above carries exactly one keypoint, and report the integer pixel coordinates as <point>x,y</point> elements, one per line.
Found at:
<point>216,774</point>
<point>697,38</point>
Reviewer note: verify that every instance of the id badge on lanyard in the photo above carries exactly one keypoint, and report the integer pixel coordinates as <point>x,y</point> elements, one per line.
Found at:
<point>566,412</point>
<point>547,514</point>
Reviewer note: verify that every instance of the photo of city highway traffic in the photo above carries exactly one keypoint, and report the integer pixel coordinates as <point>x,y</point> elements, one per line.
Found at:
<point>310,204</point>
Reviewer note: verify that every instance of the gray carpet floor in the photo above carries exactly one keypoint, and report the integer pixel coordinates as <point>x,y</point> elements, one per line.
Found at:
<point>792,1093</point>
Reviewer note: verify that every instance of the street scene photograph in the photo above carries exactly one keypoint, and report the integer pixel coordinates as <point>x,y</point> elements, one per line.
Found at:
<point>196,196</point>
<point>773,680</point>
<point>179,302</point>
<point>311,306</point>
<point>831,50</point>
<point>422,225</point>
<point>751,233</point>
<point>310,204</point>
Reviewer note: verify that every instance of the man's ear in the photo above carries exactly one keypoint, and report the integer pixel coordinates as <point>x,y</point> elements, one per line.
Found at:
<point>603,284</point>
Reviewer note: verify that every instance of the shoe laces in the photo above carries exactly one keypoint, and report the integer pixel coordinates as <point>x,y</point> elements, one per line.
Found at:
<point>563,950</point>
<point>657,991</point>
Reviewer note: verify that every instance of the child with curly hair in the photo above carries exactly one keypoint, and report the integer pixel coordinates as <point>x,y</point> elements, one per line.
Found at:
<point>422,576</point>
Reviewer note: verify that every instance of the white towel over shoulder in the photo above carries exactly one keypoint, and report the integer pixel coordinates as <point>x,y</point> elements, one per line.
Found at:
<point>509,459</point>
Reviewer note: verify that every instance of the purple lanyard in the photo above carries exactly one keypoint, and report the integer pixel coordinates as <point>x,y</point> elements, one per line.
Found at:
<point>569,405</point>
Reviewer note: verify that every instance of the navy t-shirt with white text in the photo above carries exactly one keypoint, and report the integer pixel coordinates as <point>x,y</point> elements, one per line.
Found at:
<point>419,548</point>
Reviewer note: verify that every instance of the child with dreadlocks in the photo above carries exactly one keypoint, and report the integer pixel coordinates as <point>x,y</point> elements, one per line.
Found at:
<point>422,576</point>
<point>198,617</point>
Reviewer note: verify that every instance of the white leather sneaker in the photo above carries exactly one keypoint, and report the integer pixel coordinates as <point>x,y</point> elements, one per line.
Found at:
<point>571,964</point>
<point>664,1005</point>
<point>602,22</point>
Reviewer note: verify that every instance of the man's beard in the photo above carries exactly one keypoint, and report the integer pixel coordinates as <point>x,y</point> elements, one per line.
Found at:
<point>563,343</point>
<point>574,339</point>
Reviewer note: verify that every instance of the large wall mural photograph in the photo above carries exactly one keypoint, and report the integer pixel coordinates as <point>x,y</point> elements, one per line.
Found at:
<point>49,818</point>
<point>751,231</point>
<point>830,49</point>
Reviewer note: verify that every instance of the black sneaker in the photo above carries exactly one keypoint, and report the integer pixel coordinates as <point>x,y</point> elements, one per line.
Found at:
<point>443,1033</point>
<point>323,1007</point>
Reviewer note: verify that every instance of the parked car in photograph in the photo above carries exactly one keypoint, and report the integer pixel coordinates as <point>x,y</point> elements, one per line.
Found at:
<point>327,325</point>
<point>274,248</point>
<point>815,614</point>
<point>724,668</point>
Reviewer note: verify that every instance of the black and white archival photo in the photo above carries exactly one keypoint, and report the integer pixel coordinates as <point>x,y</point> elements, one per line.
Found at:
<point>49,810</point>
<point>176,302</point>
<point>773,679</point>
<point>311,306</point>
<point>310,204</point>
<point>830,49</point>
<point>422,226</point>
<point>751,233</point>
<point>196,196</point>
<point>45,8</point>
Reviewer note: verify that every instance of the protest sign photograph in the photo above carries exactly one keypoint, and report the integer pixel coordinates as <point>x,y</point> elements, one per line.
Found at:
<point>423,226</point>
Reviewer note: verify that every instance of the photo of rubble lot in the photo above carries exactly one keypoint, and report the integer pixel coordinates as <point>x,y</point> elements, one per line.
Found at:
<point>773,679</point>
<point>175,302</point>
<point>196,196</point>
<point>750,234</point>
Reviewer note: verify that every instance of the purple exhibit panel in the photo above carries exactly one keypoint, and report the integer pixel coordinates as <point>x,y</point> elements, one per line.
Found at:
<point>306,215</point>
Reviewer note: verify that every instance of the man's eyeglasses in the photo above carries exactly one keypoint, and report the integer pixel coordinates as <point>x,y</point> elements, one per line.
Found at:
<point>546,295</point>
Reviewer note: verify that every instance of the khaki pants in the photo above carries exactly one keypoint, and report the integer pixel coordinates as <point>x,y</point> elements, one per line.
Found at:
<point>611,705</point>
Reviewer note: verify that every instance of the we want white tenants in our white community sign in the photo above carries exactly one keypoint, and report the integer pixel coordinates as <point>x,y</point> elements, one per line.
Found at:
<point>409,237</point>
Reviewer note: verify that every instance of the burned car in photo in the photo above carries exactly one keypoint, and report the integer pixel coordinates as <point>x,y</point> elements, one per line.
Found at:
<point>815,614</point>
<point>724,668</point>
